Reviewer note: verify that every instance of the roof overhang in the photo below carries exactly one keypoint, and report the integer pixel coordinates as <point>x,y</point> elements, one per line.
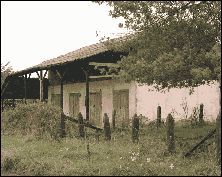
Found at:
<point>77,55</point>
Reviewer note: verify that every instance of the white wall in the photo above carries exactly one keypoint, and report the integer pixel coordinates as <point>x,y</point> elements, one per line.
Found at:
<point>142,101</point>
<point>106,86</point>
<point>147,101</point>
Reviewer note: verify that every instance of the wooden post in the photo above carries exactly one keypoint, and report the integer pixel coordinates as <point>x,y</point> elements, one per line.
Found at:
<point>41,83</point>
<point>218,138</point>
<point>62,130</point>
<point>81,125</point>
<point>41,86</point>
<point>201,121</point>
<point>218,130</point>
<point>158,117</point>
<point>13,103</point>
<point>170,134</point>
<point>201,142</point>
<point>25,81</point>
<point>135,129</point>
<point>87,96</point>
<point>107,127</point>
<point>62,117</point>
<point>2,104</point>
<point>114,118</point>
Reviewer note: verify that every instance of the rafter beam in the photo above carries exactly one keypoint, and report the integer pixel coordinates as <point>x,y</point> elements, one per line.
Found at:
<point>104,64</point>
<point>61,76</point>
<point>100,76</point>
<point>45,74</point>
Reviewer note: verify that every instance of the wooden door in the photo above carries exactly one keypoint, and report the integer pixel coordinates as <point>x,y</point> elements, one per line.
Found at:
<point>74,105</point>
<point>95,108</point>
<point>56,99</point>
<point>121,105</point>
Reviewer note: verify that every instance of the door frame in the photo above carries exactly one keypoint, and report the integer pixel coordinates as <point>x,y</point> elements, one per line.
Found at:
<point>77,95</point>
<point>120,91</point>
<point>100,94</point>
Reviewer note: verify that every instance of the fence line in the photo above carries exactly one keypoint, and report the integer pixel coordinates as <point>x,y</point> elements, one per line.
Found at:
<point>169,129</point>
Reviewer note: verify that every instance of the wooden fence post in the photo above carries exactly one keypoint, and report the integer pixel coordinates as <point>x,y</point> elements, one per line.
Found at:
<point>158,123</point>
<point>13,103</point>
<point>218,138</point>
<point>107,127</point>
<point>2,104</point>
<point>81,126</point>
<point>170,134</point>
<point>201,121</point>
<point>135,129</point>
<point>114,118</point>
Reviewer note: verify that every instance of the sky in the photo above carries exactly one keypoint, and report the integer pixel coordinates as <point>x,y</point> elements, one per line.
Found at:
<point>36,31</point>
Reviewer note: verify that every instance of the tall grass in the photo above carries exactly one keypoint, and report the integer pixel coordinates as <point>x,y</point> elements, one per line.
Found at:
<point>31,146</point>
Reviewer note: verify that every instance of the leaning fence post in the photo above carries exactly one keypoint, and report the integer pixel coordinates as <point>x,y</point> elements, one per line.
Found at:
<point>135,129</point>
<point>158,123</point>
<point>107,127</point>
<point>201,121</point>
<point>81,125</point>
<point>170,134</point>
<point>218,138</point>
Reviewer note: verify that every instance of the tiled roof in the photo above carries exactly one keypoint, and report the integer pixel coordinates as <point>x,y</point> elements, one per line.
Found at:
<point>81,53</point>
<point>78,54</point>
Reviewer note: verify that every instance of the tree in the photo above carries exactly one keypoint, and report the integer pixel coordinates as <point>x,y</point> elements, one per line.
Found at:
<point>4,74</point>
<point>170,47</point>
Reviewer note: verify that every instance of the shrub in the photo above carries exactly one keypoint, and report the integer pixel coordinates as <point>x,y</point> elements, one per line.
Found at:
<point>35,118</point>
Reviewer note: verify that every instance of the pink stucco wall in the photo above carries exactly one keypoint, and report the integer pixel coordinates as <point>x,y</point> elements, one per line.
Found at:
<point>148,101</point>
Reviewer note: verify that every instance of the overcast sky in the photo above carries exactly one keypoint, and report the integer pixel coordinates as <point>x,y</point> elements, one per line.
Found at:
<point>35,31</point>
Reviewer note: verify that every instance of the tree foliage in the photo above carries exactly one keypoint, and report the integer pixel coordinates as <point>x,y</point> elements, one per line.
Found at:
<point>5,72</point>
<point>177,46</point>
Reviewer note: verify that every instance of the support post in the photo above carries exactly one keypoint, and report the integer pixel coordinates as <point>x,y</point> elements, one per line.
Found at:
<point>62,116</point>
<point>62,130</point>
<point>41,86</point>
<point>25,81</point>
<point>87,96</point>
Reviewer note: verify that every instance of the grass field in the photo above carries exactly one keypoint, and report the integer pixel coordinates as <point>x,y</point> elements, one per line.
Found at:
<point>24,153</point>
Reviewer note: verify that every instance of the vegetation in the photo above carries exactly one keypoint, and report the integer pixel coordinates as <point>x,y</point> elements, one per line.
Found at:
<point>5,73</point>
<point>177,46</point>
<point>30,147</point>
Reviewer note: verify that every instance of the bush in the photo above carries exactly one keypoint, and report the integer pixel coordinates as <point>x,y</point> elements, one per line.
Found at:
<point>36,118</point>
